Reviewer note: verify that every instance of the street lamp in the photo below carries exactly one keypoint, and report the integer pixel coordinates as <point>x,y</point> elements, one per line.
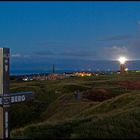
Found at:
<point>122,61</point>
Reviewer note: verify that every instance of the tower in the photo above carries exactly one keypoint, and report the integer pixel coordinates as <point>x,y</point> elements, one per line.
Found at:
<point>53,69</point>
<point>122,68</point>
<point>122,61</point>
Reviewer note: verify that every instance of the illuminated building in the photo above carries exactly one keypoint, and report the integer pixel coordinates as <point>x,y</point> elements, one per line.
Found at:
<point>122,61</point>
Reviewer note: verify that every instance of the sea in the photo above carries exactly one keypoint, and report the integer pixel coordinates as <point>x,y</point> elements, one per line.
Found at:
<point>91,67</point>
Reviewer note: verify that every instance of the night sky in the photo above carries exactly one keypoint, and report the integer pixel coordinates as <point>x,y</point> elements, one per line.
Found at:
<point>71,35</point>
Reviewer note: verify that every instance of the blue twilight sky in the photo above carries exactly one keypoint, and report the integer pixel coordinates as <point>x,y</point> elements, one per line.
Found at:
<point>71,35</point>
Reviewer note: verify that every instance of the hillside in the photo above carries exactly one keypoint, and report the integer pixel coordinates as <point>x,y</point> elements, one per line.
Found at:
<point>105,109</point>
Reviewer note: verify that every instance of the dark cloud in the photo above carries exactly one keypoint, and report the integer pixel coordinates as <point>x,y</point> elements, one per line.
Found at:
<point>84,54</point>
<point>130,49</point>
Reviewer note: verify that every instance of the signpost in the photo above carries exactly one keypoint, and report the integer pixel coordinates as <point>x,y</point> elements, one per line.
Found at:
<point>6,98</point>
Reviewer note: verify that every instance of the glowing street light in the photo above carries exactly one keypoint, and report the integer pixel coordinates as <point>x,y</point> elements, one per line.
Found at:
<point>122,61</point>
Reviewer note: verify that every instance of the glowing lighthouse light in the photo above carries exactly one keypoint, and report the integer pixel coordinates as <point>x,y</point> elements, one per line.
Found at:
<point>122,60</point>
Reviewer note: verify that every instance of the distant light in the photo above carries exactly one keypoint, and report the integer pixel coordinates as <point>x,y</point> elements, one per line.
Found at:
<point>126,69</point>
<point>122,60</point>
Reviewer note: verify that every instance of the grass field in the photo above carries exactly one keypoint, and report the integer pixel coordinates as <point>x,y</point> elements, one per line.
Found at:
<point>106,108</point>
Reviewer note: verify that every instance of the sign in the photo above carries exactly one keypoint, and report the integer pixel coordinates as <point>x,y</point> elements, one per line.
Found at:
<point>15,98</point>
<point>6,98</point>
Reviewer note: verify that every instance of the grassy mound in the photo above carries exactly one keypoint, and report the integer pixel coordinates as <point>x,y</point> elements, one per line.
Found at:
<point>113,118</point>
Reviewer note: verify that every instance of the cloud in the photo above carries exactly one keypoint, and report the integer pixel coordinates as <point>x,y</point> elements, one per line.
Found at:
<point>134,48</point>
<point>119,49</point>
<point>117,37</point>
<point>135,42</point>
<point>44,53</point>
<point>130,48</point>
<point>18,55</point>
<point>130,51</point>
<point>84,54</point>
<point>112,53</point>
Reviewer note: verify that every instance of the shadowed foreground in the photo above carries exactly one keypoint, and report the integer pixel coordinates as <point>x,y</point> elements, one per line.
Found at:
<point>64,116</point>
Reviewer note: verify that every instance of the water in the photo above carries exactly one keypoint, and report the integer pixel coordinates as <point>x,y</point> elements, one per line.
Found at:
<point>81,66</point>
<point>24,71</point>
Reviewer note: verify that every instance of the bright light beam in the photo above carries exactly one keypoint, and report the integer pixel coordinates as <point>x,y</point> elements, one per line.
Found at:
<point>122,60</point>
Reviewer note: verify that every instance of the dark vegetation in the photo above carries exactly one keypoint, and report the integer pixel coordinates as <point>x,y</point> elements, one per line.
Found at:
<point>106,106</point>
